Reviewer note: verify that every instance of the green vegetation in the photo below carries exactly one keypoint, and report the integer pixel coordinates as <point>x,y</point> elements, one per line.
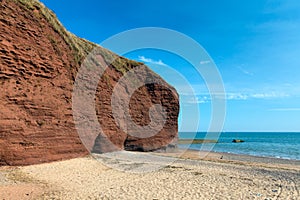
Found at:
<point>80,47</point>
<point>106,80</point>
<point>28,4</point>
<point>54,44</point>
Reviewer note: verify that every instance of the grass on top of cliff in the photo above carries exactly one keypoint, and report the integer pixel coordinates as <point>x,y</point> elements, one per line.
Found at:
<point>80,47</point>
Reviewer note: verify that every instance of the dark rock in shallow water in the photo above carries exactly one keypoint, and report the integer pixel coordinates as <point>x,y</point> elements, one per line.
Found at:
<point>237,141</point>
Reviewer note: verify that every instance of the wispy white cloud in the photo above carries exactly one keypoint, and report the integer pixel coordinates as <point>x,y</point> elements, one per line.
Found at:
<point>245,71</point>
<point>237,96</point>
<point>246,96</point>
<point>151,61</point>
<point>280,92</point>
<point>270,95</point>
<point>203,62</point>
<point>232,96</point>
<point>284,109</point>
<point>198,100</point>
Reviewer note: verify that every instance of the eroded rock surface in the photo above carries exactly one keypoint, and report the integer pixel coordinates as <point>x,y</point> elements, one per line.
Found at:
<point>39,61</point>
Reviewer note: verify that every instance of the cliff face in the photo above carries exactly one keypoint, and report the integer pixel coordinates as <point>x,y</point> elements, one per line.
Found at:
<point>38,66</point>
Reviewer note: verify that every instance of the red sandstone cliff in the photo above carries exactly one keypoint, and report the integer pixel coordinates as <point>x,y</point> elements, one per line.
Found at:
<point>39,61</point>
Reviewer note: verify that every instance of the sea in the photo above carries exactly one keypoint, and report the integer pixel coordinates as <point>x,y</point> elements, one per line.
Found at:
<point>265,144</point>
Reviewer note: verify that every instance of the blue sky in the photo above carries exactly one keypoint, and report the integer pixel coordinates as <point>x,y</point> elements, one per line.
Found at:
<point>255,45</point>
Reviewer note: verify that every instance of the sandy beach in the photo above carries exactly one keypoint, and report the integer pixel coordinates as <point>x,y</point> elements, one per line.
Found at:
<point>117,176</point>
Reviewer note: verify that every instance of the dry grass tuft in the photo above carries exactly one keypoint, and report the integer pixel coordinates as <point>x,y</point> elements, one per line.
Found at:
<point>80,47</point>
